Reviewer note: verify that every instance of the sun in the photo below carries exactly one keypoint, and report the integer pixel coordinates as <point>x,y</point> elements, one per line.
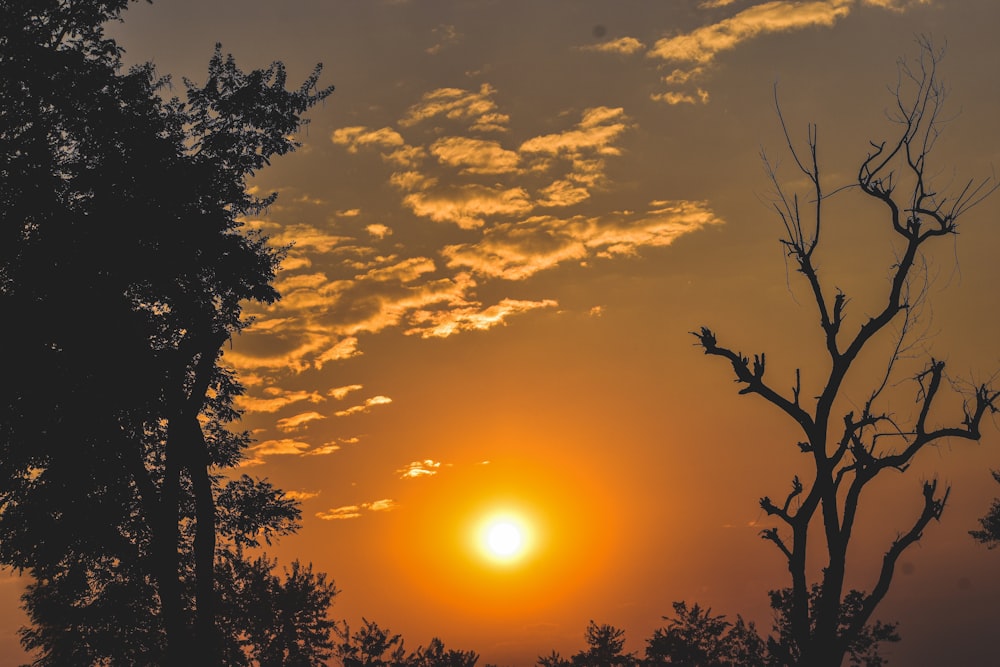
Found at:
<point>504,538</point>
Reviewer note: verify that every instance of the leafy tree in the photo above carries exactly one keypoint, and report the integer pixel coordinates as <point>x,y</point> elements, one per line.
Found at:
<point>863,648</point>
<point>124,266</point>
<point>553,659</point>
<point>850,448</point>
<point>695,637</point>
<point>990,523</point>
<point>268,620</point>
<point>605,648</point>
<point>436,655</point>
<point>371,646</point>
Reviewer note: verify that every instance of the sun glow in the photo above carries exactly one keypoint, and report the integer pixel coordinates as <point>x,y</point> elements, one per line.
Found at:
<point>504,538</point>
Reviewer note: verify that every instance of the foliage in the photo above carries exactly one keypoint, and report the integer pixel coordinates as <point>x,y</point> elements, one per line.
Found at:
<point>695,637</point>
<point>373,646</point>
<point>268,620</point>
<point>124,266</point>
<point>990,523</point>
<point>864,645</point>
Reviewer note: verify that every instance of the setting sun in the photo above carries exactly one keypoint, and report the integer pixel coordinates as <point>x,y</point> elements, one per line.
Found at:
<point>504,538</point>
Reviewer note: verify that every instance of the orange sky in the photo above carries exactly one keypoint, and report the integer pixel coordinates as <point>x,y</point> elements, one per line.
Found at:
<point>506,220</point>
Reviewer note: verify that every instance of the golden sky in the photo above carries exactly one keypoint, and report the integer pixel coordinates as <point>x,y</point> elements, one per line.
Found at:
<point>506,220</point>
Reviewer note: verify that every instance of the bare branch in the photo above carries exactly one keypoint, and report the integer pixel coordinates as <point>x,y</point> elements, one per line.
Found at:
<point>932,510</point>
<point>753,379</point>
<point>771,535</point>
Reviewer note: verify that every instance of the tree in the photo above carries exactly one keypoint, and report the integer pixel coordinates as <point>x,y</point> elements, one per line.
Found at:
<point>371,646</point>
<point>270,621</point>
<point>990,523</point>
<point>850,448</point>
<point>436,655</point>
<point>125,266</point>
<point>695,637</point>
<point>605,648</point>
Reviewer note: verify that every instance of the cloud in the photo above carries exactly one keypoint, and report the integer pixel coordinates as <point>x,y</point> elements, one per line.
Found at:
<point>342,349</point>
<point>383,505</point>
<point>296,422</point>
<point>378,231</point>
<point>355,511</point>
<point>446,35</point>
<point>516,205</point>
<point>623,46</point>
<point>323,450</point>
<point>279,447</point>
<point>595,132</point>
<point>515,251</point>
<point>275,399</point>
<point>701,45</point>
<point>301,495</point>
<point>476,108</point>
<point>403,271</point>
<point>698,49</point>
<point>364,407</point>
<point>415,469</point>
<point>340,392</point>
<point>441,324</point>
<point>296,349</point>
<point>468,206</point>
<point>673,97</point>
<point>282,447</point>
<point>896,5</point>
<point>344,512</point>
<point>475,156</point>
<point>357,136</point>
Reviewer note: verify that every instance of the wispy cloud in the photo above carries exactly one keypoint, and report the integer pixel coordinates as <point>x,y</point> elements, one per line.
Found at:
<point>444,323</point>
<point>284,446</point>
<point>458,104</point>
<point>693,53</point>
<point>446,35</point>
<point>701,45</point>
<point>275,399</point>
<point>323,450</point>
<point>509,208</point>
<point>623,46</point>
<point>355,511</point>
<point>300,495</point>
<point>296,422</point>
<point>358,136</point>
<point>518,250</point>
<point>364,407</point>
<point>340,393</point>
<point>416,469</point>
<point>475,156</point>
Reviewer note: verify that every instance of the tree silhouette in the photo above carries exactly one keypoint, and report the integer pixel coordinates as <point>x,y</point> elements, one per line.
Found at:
<point>695,637</point>
<point>849,448</point>
<point>990,523</point>
<point>124,267</point>
<point>373,646</point>
<point>605,648</point>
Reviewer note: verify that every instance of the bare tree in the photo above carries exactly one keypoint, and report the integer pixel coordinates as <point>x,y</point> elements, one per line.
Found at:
<point>849,448</point>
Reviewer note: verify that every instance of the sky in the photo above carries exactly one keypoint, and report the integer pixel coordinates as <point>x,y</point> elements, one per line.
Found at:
<point>503,226</point>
